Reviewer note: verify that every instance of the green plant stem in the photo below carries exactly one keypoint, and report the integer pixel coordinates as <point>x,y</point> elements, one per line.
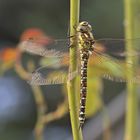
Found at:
<point>41,108</point>
<point>71,86</point>
<point>132,96</point>
<point>41,105</point>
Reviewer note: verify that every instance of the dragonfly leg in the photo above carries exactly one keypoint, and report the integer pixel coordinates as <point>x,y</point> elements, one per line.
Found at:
<point>70,36</point>
<point>72,40</point>
<point>70,44</point>
<point>75,27</point>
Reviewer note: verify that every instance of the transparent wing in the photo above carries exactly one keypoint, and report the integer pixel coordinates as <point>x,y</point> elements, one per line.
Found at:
<point>55,62</point>
<point>105,66</point>
<point>53,48</point>
<point>57,48</point>
<point>51,76</point>
<point>116,68</point>
<point>116,47</point>
<point>54,66</point>
<point>53,70</point>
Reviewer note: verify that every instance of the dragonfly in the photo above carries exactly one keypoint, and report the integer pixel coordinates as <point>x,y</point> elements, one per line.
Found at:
<point>58,59</point>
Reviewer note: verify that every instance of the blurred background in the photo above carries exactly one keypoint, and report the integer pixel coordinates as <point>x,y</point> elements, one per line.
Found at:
<point>39,113</point>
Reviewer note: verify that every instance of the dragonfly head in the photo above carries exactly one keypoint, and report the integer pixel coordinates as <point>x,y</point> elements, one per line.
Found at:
<point>84,26</point>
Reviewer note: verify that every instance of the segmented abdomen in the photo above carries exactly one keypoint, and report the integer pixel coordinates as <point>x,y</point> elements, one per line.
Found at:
<point>83,91</point>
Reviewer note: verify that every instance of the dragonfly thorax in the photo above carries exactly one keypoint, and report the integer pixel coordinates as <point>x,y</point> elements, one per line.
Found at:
<point>85,37</point>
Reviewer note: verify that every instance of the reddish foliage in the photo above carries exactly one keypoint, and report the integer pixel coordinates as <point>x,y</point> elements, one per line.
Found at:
<point>37,35</point>
<point>8,54</point>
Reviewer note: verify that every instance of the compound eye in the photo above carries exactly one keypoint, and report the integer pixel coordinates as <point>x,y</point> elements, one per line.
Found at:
<point>81,29</point>
<point>85,23</point>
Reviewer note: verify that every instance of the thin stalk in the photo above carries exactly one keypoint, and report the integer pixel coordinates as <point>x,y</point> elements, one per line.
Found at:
<point>71,86</point>
<point>132,96</point>
<point>38,95</point>
<point>41,105</point>
<point>41,108</point>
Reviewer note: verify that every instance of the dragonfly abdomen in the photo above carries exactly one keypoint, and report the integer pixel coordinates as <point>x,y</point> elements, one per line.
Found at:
<point>83,92</point>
